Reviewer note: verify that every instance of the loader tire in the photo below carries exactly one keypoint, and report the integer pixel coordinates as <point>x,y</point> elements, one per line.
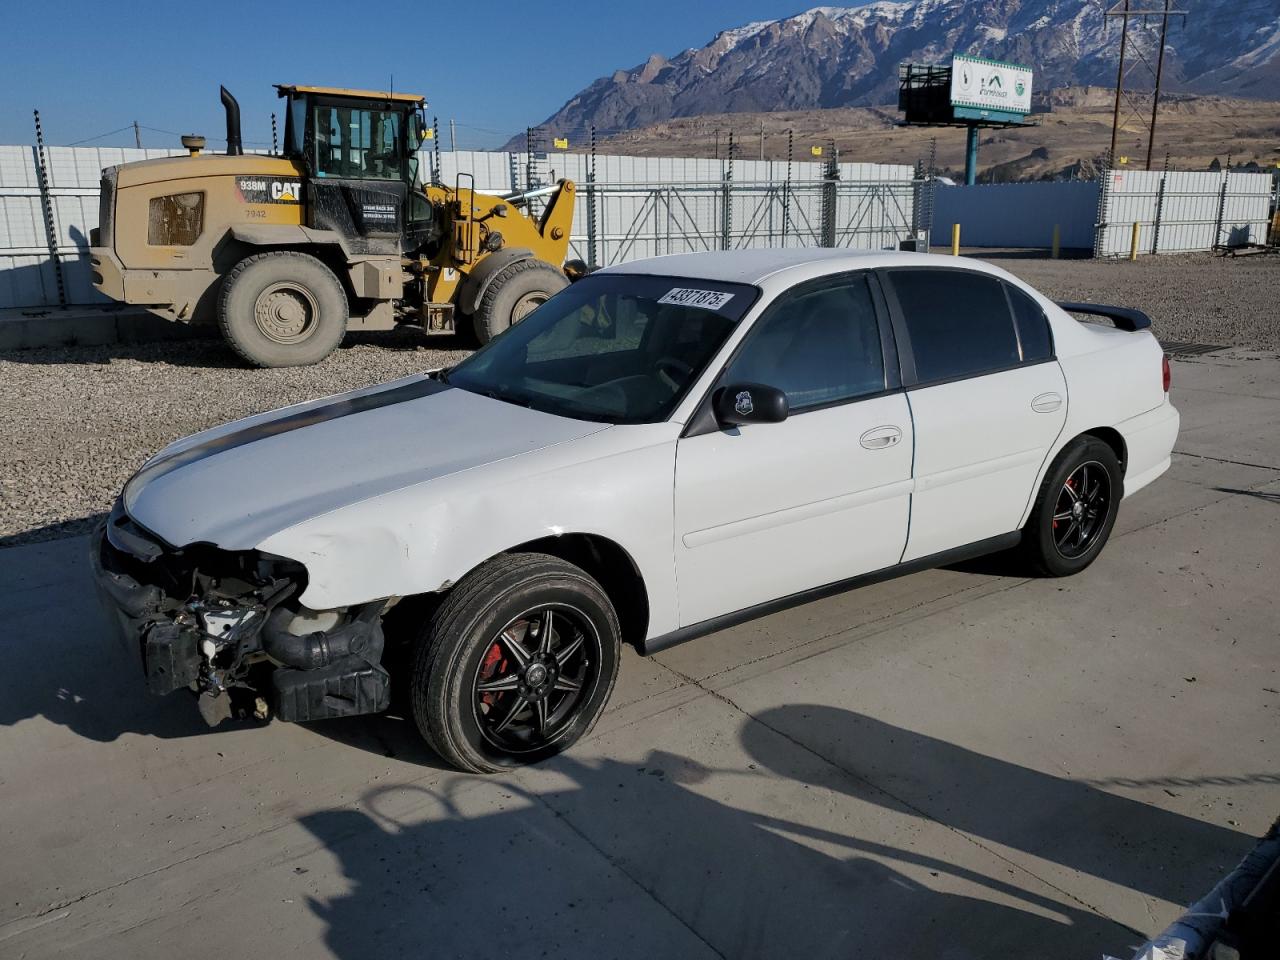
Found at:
<point>282,308</point>
<point>513,294</point>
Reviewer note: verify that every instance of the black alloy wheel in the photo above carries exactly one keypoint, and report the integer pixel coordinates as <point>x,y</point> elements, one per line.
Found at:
<point>516,663</point>
<point>532,679</point>
<point>1080,512</point>
<point>1075,508</point>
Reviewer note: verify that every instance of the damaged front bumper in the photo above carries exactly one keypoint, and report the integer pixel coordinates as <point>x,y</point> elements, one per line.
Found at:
<point>227,626</point>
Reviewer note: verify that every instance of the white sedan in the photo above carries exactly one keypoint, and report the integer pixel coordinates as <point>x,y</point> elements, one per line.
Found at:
<point>664,449</point>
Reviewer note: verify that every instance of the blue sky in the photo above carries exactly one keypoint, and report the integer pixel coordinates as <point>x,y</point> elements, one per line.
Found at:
<point>493,66</point>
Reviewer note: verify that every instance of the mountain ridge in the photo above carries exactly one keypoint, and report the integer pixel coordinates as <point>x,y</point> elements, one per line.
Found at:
<point>830,57</point>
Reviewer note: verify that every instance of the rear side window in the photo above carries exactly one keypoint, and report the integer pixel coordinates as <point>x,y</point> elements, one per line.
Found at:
<point>958,323</point>
<point>819,347</point>
<point>1033,326</point>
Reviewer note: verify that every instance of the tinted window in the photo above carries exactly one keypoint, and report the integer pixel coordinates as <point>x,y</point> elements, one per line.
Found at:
<point>1033,326</point>
<point>621,348</point>
<point>958,322</point>
<point>817,347</point>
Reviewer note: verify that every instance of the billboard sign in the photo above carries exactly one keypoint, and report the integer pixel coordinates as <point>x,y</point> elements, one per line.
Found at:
<point>990,85</point>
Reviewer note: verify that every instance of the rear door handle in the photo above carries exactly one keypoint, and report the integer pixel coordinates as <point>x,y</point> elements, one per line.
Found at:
<point>1047,403</point>
<point>877,438</point>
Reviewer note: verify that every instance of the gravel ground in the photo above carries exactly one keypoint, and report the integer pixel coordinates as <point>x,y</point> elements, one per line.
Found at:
<point>1196,298</point>
<point>76,422</point>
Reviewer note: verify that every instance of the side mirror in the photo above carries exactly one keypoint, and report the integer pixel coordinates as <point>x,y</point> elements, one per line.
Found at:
<point>418,130</point>
<point>742,403</point>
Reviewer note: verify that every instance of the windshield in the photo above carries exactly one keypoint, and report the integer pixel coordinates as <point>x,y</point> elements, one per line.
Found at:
<point>619,348</point>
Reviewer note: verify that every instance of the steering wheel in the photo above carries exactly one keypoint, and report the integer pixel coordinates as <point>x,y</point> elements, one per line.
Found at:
<point>665,364</point>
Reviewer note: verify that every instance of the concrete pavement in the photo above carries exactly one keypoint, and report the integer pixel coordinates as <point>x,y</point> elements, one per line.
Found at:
<point>961,763</point>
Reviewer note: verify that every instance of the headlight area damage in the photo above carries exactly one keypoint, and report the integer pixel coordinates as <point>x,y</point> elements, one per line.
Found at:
<point>227,626</point>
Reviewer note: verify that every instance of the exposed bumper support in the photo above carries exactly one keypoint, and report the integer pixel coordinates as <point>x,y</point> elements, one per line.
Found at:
<point>236,649</point>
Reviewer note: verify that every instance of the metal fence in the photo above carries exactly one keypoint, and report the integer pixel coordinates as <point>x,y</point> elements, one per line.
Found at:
<point>633,207</point>
<point>626,221</point>
<point>1181,211</point>
<point>626,207</point>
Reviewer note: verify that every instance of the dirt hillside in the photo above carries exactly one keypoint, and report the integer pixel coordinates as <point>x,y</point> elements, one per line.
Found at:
<point>1195,130</point>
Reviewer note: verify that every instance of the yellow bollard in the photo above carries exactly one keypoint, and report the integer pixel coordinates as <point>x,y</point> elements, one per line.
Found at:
<point>955,239</point>
<point>1057,240</point>
<point>1133,242</point>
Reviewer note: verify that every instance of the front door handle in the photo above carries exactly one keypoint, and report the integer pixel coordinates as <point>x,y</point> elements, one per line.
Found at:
<point>877,438</point>
<point>1047,403</point>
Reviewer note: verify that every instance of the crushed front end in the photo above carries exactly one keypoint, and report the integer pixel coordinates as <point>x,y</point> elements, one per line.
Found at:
<point>227,626</point>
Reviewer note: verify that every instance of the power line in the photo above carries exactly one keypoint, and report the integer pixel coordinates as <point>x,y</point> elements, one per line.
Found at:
<point>100,136</point>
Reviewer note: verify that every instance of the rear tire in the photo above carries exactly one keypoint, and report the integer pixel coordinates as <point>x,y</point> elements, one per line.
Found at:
<point>282,308</point>
<point>1075,509</point>
<point>513,294</point>
<point>542,636</point>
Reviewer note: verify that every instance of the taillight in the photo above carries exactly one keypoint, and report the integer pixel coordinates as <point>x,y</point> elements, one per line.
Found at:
<point>1166,373</point>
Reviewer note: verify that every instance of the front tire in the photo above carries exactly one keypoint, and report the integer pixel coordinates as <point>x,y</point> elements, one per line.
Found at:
<point>282,308</point>
<point>516,665</point>
<point>1075,508</point>
<point>513,294</point>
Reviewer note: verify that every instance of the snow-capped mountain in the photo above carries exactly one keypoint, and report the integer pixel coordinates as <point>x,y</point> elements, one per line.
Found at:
<point>849,56</point>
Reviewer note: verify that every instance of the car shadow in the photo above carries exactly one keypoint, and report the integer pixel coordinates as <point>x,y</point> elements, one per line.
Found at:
<point>1070,823</point>
<point>61,658</point>
<point>1265,496</point>
<point>1006,563</point>
<point>59,530</point>
<point>63,662</point>
<point>652,859</point>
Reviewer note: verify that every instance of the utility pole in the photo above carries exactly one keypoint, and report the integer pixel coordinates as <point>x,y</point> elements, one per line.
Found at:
<point>1115,115</point>
<point>137,135</point>
<point>453,136</point>
<point>761,139</point>
<point>1155,97</point>
<point>1129,10</point>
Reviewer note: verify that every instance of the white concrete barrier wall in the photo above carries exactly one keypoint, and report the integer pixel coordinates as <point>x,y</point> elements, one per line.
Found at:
<point>1183,211</point>
<point>1016,214</point>
<point>654,205</point>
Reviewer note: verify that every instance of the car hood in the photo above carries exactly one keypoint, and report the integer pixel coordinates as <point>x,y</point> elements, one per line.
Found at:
<point>236,485</point>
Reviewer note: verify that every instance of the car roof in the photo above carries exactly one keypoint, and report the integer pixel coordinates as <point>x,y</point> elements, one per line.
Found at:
<point>790,265</point>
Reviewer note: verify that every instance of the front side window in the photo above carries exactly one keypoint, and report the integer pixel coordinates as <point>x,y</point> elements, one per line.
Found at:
<point>175,220</point>
<point>818,347</point>
<point>357,144</point>
<point>958,323</point>
<point>618,348</point>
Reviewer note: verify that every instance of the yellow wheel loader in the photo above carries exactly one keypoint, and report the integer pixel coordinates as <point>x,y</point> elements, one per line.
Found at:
<point>286,253</point>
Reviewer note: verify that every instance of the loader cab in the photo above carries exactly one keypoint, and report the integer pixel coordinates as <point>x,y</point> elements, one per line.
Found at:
<point>359,151</point>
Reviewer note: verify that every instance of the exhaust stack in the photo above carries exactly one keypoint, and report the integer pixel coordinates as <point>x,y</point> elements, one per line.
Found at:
<point>234,147</point>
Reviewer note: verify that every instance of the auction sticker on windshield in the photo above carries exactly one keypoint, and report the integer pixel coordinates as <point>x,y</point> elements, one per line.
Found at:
<point>688,297</point>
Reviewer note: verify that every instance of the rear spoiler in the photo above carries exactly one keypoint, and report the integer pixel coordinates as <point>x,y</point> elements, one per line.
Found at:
<point>1122,317</point>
